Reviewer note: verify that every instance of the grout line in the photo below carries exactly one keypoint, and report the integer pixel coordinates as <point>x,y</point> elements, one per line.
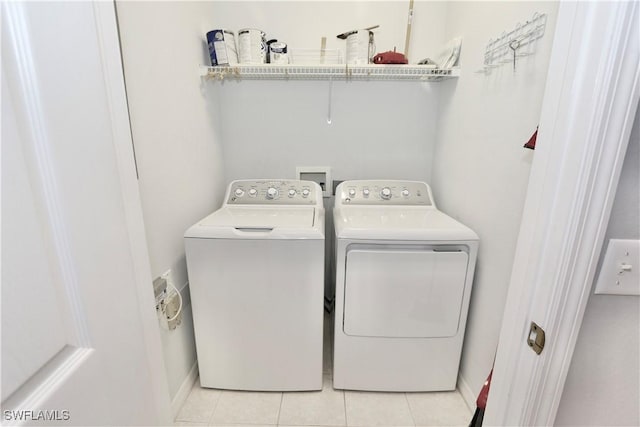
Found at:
<point>406,397</point>
<point>280,408</point>
<point>344,400</point>
<point>210,422</point>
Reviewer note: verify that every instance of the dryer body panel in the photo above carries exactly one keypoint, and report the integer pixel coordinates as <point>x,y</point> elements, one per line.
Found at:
<point>404,293</point>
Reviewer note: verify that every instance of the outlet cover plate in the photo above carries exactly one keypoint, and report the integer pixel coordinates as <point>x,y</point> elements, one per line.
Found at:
<point>620,272</point>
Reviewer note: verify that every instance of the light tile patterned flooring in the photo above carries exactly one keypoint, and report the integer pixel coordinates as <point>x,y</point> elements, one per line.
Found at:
<point>329,407</point>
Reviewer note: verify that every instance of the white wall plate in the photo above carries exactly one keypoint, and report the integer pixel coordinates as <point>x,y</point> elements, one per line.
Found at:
<point>620,272</point>
<point>319,174</point>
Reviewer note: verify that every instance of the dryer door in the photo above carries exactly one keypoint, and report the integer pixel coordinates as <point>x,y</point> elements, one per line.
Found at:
<point>403,293</point>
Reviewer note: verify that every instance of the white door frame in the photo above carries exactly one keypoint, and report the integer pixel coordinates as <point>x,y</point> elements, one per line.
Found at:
<point>590,102</point>
<point>107,29</point>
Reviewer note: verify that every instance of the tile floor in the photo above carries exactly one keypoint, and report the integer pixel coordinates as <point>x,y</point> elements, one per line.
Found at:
<point>329,407</point>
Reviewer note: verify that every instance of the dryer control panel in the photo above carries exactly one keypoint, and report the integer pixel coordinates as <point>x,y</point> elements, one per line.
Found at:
<point>384,192</point>
<point>273,192</point>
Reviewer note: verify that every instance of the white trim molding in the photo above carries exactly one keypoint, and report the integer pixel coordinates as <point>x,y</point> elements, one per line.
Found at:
<point>184,390</point>
<point>467,394</point>
<point>107,32</point>
<point>590,102</point>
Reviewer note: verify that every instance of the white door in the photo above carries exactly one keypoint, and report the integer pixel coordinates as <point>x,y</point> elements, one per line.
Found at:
<point>78,322</point>
<point>592,94</point>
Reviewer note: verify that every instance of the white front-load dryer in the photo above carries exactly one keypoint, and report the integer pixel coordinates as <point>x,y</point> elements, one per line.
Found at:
<point>404,272</point>
<point>256,276</point>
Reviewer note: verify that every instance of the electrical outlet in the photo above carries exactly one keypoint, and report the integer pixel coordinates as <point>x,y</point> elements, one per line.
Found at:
<point>168,301</point>
<point>620,272</point>
<point>172,310</point>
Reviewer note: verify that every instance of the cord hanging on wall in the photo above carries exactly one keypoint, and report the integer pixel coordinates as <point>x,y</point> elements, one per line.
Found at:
<point>514,44</point>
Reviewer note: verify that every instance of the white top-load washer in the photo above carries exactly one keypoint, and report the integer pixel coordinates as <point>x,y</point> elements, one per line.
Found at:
<point>256,275</point>
<point>404,272</point>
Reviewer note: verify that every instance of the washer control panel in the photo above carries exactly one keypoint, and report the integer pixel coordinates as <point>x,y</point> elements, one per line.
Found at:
<point>379,192</point>
<point>272,192</point>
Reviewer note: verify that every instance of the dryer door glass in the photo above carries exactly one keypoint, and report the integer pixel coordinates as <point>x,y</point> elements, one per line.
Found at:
<point>403,293</point>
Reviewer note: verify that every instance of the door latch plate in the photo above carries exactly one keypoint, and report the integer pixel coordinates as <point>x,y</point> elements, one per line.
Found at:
<point>536,338</point>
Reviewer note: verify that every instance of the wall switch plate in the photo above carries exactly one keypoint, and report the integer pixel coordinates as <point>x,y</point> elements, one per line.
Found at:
<point>319,174</point>
<point>620,272</point>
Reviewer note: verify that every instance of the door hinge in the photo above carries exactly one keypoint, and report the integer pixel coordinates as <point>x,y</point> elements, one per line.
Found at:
<point>536,338</point>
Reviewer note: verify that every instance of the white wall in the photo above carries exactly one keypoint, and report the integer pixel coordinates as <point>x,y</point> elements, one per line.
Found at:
<point>301,24</point>
<point>603,384</point>
<point>382,130</point>
<point>177,125</point>
<point>177,147</point>
<point>480,170</point>
<point>378,130</point>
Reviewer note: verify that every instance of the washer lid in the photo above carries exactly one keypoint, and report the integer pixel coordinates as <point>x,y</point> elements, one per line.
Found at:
<point>260,222</point>
<point>261,217</point>
<point>398,223</point>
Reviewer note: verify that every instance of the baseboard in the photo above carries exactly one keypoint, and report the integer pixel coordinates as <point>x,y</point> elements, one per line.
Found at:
<point>183,391</point>
<point>467,394</point>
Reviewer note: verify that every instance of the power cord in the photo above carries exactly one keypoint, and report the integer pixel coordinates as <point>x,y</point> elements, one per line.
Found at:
<point>165,320</point>
<point>171,319</point>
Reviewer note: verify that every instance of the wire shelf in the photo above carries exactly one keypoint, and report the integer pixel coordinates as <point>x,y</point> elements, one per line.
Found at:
<point>329,72</point>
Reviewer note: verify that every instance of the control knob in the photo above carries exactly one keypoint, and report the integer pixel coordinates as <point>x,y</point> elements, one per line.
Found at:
<point>365,192</point>
<point>385,193</point>
<point>272,193</point>
<point>405,192</point>
<point>352,192</point>
<point>253,192</point>
<point>305,192</point>
<point>292,192</point>
<point>239,192</point>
